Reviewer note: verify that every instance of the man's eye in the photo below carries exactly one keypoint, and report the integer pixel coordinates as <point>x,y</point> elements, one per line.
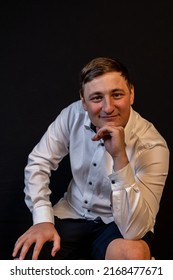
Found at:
<point>117,95</point>
<point>96,98</point>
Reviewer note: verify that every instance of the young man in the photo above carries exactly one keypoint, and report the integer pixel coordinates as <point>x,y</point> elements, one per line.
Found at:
<point>119,163</point>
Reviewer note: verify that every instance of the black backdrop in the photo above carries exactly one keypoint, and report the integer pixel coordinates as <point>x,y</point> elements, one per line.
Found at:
<point>44,44</point>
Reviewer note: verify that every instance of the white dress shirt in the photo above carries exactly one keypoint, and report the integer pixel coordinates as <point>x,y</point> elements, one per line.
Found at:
<point>130,197</point>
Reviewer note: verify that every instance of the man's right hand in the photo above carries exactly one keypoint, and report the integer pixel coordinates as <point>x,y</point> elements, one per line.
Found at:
<point>38,234</point>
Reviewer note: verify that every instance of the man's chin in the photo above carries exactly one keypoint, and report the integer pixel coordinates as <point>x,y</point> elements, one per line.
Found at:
<point>110,123</point>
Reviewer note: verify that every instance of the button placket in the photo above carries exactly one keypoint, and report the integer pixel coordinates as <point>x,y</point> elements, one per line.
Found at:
<point>93,174</point>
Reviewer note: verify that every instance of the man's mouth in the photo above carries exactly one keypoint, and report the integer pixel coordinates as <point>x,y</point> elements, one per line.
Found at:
<point>109,118</point>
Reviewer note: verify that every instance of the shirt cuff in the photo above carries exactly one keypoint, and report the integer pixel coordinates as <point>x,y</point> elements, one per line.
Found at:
<point>43,214</point>
<point>122,178</point>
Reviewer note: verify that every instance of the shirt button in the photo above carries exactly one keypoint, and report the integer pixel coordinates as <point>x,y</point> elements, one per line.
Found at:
<point>90,183</point>
<point>113,181</point>
<point>86,201</point>
<point>95,164</point>
<point>88,210</point>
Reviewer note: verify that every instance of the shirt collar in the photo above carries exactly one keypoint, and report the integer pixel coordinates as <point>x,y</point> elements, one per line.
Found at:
<point>87,123</point>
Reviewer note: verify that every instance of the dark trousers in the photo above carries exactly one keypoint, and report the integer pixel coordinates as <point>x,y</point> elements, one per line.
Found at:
<point>82,239</point>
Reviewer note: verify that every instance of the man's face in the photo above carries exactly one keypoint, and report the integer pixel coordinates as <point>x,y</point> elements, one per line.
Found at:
<point>107,99</point>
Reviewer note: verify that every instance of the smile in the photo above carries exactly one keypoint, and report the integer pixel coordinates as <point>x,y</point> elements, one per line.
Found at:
<point>109,117</point>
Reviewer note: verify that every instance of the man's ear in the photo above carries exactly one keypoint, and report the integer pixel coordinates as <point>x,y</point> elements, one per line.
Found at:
<point>132,95</point>
<point>83,102</point>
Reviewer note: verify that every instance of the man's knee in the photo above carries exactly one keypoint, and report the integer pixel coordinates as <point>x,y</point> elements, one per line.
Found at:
<point>122,249</point>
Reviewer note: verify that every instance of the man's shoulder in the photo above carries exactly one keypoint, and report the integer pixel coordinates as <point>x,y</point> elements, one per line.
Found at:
<point>146,131</point>
<point>73,112</point>
<point>76,106</point>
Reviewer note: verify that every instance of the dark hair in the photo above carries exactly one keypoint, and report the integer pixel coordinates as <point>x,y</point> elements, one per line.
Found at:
<point>99,66</point>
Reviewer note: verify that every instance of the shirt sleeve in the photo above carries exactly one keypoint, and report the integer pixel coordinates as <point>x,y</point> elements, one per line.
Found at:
<point>44,158</point>
<point>136,192</point>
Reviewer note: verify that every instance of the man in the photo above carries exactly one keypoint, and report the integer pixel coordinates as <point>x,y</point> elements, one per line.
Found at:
<point>119,163</point>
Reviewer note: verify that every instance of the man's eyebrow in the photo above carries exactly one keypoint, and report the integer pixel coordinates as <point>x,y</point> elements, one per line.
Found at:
<point>117,89</point>
<point>95,93</point>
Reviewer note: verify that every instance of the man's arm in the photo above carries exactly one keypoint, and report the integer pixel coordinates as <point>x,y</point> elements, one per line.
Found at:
<point>136,192</point>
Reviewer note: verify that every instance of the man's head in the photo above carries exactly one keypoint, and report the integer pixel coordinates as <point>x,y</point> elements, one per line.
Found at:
<point>106,92</point>
<point>100,66</point>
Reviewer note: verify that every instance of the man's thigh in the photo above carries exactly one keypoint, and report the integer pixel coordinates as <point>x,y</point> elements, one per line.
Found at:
<point>85,239</point>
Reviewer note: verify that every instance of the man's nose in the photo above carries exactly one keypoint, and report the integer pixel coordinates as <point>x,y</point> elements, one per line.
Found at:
<point>108,106</point>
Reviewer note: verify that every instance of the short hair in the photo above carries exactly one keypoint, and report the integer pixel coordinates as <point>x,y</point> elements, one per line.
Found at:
<point>99,66</point>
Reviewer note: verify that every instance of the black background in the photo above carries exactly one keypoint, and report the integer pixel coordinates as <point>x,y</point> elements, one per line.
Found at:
<point>44,45</point>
